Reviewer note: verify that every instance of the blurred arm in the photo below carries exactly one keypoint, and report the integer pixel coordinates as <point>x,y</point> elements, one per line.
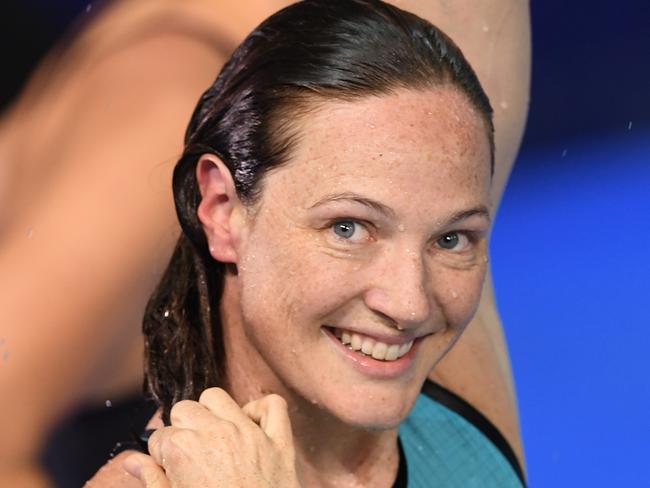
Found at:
<point>72,289</point>
<point>494,35</point>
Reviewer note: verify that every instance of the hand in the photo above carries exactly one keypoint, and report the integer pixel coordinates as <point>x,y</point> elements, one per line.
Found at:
<point>214,443</point>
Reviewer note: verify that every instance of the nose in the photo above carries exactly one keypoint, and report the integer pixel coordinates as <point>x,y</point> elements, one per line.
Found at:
<point>401,289</point>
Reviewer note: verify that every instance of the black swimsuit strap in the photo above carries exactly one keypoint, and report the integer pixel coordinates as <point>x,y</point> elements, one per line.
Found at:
<point>402,471</point>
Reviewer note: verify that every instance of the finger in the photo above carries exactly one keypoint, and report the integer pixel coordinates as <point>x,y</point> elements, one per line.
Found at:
<point>171,443</point>
<point>188,414</point>
<point>272,415</point>
<point>145,469</point>
<point>221,404</point>
<point>155,422</point>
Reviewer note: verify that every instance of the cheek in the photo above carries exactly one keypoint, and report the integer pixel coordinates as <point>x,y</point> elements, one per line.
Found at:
<point>287,281</point>
<point>461,295</point>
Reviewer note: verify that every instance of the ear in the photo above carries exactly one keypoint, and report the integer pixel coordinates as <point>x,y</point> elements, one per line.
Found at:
<point>220,210</point>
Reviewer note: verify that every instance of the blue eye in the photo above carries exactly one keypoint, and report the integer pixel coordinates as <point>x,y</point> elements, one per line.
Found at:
<point>344,229</point>
<point>454,241</point>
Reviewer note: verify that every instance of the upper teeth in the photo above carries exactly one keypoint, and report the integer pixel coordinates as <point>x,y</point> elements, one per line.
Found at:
<point>371,347</point>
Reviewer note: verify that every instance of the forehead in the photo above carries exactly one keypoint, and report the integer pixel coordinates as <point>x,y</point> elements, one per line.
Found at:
<point>408,141</point>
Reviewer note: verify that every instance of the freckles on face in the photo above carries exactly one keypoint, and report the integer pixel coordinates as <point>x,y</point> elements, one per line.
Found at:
<point>376,224</point>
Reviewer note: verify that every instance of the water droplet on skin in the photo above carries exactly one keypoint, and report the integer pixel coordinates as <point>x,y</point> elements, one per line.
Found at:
<point>109,404</point>
<point>454,294</point>
<point>564,152</point>
<point>503,104</point>
<point>629,125</point>
<point>486,28</point>
<point>372,126</point>
<point>401,227</point>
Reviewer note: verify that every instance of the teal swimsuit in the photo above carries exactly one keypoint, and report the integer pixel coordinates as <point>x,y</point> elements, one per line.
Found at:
<point>445,443</point>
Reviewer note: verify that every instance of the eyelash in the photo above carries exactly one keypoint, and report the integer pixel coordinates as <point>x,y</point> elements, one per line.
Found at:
<point>471,236</point>
<point>362,224</point>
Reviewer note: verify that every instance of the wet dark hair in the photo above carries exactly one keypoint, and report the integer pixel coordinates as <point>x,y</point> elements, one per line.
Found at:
<point>308,53</point>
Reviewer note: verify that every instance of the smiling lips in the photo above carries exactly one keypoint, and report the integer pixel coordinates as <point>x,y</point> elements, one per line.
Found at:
<point>372,347</point>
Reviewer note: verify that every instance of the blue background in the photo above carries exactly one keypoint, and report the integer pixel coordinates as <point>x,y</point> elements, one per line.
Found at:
<point>571,244</point>
<point>571,248</point>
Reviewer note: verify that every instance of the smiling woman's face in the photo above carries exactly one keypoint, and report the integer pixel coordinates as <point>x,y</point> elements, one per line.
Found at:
<point>372,237</point>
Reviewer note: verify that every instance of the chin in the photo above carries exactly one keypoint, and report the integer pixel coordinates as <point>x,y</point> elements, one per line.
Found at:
<point>373,410</point>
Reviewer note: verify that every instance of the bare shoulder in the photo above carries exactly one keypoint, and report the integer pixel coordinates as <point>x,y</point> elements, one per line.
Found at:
<point>91,204</point>
<point>113,475</point>
<point>131,103</point>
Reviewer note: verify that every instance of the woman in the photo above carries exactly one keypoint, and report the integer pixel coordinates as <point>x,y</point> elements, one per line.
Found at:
<point>86,153</point>
<point>334,196</point>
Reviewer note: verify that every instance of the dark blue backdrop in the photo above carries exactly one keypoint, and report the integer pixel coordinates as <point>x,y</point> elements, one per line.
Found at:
<point>571,248</point>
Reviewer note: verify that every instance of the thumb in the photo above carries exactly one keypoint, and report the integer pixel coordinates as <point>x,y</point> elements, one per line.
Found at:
<point>271,414</point>
<point>145,469</point>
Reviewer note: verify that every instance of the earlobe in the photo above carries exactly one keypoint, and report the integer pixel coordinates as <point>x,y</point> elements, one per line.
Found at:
<point>219,208</point>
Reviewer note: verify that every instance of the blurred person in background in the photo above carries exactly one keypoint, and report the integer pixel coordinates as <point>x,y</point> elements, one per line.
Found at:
<point>87,223</point>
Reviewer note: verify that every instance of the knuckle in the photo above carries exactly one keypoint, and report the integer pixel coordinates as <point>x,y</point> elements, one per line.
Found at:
<point>224,428</point>
<point>180,409</point>
<point>212,395</point>
<point>276,401</point>
<point>155,438</point>
<point>176,442</point>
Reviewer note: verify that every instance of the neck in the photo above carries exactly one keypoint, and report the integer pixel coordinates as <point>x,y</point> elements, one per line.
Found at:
<point>329,452</point>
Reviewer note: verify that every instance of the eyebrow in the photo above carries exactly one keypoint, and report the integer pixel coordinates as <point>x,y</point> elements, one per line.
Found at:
<point>480,210</point>
<point>368,202</point>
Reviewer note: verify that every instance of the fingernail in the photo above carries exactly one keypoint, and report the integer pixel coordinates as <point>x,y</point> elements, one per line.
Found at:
<point>132,465</point>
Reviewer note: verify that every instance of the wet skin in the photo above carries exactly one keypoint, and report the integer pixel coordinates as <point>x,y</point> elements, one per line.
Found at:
<point>377,224</point>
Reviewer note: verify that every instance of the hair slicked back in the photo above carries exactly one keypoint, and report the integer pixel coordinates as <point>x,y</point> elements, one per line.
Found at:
<point>309,52</point>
